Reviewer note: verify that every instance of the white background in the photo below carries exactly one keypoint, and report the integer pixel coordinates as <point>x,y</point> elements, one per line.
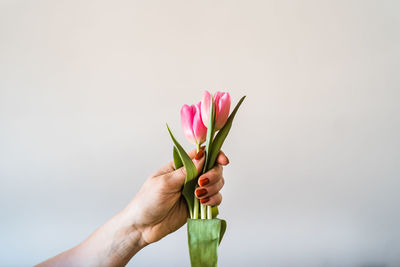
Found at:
<point>86,88</point>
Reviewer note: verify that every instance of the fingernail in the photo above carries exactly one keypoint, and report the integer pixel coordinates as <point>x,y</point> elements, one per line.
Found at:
<point>201,192</point>
<point>199,154</point>
<point>204,200</point>
<point>204,181</point>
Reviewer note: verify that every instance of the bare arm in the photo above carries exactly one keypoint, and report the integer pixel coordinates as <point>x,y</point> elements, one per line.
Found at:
<point>113,244</point>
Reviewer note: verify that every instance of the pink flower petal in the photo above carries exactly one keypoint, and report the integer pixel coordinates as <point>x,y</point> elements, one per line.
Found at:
<point>223,106</point>
<point>199,130</point>
<point>187,115</point>
<point>205,107</point>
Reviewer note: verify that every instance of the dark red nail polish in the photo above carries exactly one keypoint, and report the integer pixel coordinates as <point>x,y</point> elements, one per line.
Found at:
<point>204,181</point>
<point>201,192</point>
<point>204,200</point>
<point>199,154</point>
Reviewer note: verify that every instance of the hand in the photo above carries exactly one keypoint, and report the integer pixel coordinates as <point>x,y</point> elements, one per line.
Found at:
<point>159,208</point>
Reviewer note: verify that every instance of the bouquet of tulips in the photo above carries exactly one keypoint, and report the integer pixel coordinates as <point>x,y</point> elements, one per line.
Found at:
<point>200,124</point>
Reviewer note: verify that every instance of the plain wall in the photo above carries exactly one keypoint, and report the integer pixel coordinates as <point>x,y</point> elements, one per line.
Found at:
<point>86,88</point>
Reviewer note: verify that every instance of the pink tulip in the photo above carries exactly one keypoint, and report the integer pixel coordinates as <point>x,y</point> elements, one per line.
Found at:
<point>222,102</point>
<point>192,124</point>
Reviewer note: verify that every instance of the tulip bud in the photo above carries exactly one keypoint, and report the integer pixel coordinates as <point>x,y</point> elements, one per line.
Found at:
<point>192,124</point>
<point>222,104</point>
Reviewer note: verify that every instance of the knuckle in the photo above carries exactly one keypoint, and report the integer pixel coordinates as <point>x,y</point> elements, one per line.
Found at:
<point>162,181</point>
<point>182,171</point>
<point>219,199</point>
<point>216,171</point>
<point>218,167</point>
<point>218,186</point>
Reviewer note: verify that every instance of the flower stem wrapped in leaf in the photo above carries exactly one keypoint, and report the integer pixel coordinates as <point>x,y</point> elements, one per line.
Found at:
<point>205,234</point>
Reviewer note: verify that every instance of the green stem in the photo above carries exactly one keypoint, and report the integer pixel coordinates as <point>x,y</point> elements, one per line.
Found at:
<point>203,212</point>
<point>207,150</point>
<point>209,212</point>
<point>195,208</point>
<point>195,200</point>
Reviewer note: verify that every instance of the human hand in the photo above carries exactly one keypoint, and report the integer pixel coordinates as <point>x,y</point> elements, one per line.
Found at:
<point>159,208</point>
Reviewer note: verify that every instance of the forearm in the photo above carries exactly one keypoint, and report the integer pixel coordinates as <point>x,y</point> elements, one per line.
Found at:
<point>113,244</point>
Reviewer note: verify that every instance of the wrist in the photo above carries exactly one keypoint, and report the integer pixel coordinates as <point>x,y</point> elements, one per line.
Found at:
<point>123,240</point>
<point>133,230</point>
<point>137,237</point>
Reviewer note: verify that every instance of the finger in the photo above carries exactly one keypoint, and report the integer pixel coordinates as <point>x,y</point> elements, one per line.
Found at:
<point>213,200</point>
<point>222,158</point>
<point>177,177</point>
<point>209,190</point>
<point>170,166</point>
<point>211,177</point>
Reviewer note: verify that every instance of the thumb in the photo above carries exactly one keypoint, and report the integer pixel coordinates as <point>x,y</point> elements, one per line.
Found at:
<point>177,178</point>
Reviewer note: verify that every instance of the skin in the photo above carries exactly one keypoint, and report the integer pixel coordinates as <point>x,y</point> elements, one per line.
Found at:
<point>156,211</point>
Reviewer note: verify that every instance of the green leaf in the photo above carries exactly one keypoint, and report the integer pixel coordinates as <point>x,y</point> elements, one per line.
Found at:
<point>204,237</point>
<point>210,133</point>
<point>223,229</point>
<point>191,173</point>
<point>177,159</point>
<point>215,212</point>
<point>220,137</point>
